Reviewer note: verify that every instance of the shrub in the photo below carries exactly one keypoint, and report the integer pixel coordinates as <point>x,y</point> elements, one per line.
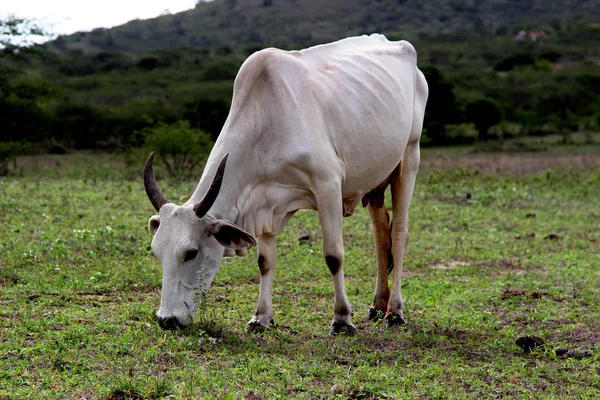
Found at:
<point>179,147</point>
<point>8,153</point>
<point>442,108</point>
<point>208,115</point>
<point>220,70</point>
<point>148,62</point>
<point>484,113</point>
<point>514,60</point>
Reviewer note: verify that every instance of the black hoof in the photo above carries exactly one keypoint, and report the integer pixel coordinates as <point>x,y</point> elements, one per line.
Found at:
<point>394,320</point>
<point>170,323</point>
<point>342,327</point>
<point>255,326</point>
<point>376,314</point>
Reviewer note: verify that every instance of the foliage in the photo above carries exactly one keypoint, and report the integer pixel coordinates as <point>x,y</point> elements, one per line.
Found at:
<point>242,24</point>
<point>180,147</point>
<point>484,113</point>
<point>23,94</point>
<point>85,98</point>
<point>220,70</point>
<point>24,107</point>
<point>13,28</point>
<point>496,252</point>
<point>207,115</point>
<point>442,108</point>
<point>8,154</point>
<point>513,61</point>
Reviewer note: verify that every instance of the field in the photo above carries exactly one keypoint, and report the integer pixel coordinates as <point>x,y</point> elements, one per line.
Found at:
<point>502,246</point>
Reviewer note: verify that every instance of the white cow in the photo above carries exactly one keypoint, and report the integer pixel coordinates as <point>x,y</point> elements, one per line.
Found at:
<point>320,129</point>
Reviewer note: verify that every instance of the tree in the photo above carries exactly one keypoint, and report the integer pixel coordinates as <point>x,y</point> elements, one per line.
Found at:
<point>180,147</point>
<point>21,95</point>
<point>16,32</point>
<point>441,107</point>
<point>515,60</point>
<point>208,115</point>
<point>484,113</point>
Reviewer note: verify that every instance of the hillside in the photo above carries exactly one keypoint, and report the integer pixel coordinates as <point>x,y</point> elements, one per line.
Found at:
<point>236,24</point>
<point>106,87</point>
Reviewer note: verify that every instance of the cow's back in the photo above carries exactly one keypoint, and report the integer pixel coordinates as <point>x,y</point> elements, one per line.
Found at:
<point>365,89</point>
<point>345,107</point>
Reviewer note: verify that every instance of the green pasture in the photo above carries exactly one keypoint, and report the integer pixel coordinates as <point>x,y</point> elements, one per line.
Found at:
<point>495,253</point>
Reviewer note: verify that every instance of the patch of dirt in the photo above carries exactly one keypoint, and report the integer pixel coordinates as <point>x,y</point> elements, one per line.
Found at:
<point>588,335</point>
<point>84,395</point>
<point>450,265</point>
<point>462,199</point>
<point>119,394</point>
<point>457,334</point>
<point>305,238</point>
<point>508,293</point>
<point>9,279</point>
<point>512,292</point>
<point>553,236</point>
<point>512,163</point>
<point>530,343</point>
<point>362,394</point>
<point>530,235</point>
<point>576,343</point>
<point>252,396</point>
<point>287,294</point>
<point>502,266</point>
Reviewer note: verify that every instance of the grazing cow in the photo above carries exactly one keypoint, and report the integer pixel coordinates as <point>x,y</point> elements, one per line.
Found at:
<point>318,129</point>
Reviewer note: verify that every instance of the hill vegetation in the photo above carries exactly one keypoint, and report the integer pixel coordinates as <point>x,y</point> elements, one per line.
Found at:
<point>533,65</point>
<point>287,24</point>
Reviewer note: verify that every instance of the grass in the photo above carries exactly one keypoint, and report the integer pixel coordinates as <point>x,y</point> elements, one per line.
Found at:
<point>497,252</point>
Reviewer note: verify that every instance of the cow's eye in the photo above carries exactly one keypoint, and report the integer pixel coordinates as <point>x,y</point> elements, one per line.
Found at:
<point>190,255</point>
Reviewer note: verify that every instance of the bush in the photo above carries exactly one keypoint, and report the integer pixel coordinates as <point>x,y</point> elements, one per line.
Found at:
<point>442,108</point>
<point>8,153</point>
<point>148,63</point>
<point>220,70</point>
<point>514,60</point>
<point>484,113</point>
<point>179,147</point>
<point>208,115</point>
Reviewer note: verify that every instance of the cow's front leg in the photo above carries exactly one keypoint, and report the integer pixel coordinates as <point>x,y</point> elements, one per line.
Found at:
<point>263,316</point>
<point>330,216</point>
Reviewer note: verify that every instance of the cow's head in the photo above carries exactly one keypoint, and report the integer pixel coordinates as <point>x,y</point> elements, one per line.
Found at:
<point>189,243</point>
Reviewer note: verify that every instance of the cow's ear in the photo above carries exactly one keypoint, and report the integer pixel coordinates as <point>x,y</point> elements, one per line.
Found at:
<point>153,224</point>
<point>231,236</point>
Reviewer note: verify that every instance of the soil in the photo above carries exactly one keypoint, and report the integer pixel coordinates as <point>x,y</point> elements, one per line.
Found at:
<point>512,163</point>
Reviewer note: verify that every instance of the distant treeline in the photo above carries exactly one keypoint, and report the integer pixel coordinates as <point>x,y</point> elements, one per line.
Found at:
<point>481,86</point>
<point>300,23</point>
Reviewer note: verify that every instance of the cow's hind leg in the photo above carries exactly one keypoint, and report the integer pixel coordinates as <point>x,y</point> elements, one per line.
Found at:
<point>381,234</point>
<point>329,200</point>
<point>403,183</point>
<point>266,263</point>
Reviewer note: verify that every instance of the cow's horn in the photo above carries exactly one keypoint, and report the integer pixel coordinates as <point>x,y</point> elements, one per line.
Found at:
<point>202,207</point>
<point>152,190</point>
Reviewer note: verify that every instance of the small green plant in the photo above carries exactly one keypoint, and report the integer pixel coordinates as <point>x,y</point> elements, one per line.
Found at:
<point>179,147</point>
